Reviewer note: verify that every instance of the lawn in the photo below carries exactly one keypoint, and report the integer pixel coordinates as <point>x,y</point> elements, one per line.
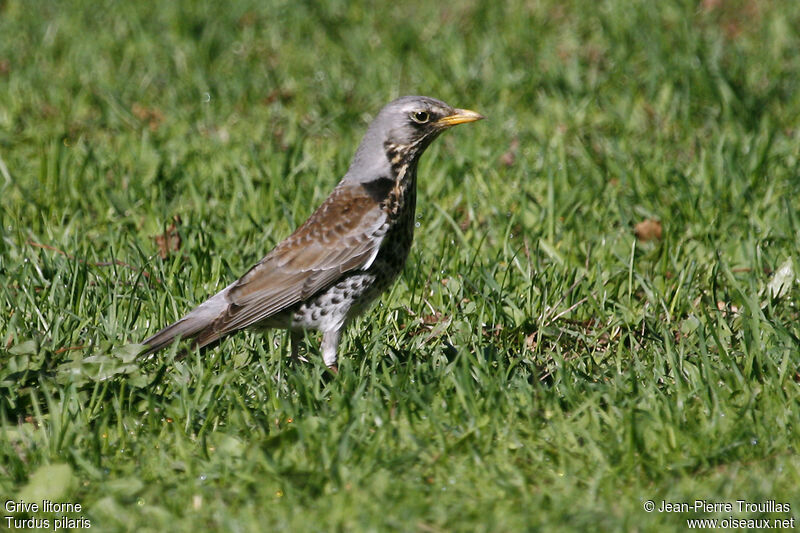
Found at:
<point>600,309</point>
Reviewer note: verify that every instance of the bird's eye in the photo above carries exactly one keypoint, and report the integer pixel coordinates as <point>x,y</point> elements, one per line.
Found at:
<point>420,117</point>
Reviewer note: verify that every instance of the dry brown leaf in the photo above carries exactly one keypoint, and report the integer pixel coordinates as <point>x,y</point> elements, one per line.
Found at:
<point>432,320</point>
<point>530,341</point>
<point>647,230</point>
<point>170,240</point>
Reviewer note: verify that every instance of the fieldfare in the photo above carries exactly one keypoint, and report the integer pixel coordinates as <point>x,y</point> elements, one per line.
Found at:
<point>346,254</point>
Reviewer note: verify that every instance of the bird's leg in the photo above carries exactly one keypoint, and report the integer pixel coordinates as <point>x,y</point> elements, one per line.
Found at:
<point>330,343</point>
<point>295,337</point>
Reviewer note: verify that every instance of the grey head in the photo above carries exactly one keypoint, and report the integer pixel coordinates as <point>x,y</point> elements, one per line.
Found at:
<point>407,125</point>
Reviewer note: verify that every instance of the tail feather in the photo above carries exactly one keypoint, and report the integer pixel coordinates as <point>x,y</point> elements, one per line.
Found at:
<point>198,323</point>
<point>185,328</point>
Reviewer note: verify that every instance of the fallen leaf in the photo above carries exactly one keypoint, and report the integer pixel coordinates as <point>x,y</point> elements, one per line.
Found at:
<point>530,341</point>
<point>170,240</point>
<point>432,320</point>
<point>647,230</point>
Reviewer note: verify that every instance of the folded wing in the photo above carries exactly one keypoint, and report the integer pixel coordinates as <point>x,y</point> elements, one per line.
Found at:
<point>342,235</point>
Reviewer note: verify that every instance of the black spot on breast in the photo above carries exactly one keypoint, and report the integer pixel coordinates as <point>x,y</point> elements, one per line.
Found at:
<point>379,189</point>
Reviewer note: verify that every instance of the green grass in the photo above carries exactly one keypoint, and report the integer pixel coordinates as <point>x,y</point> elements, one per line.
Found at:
<point>536,366</point>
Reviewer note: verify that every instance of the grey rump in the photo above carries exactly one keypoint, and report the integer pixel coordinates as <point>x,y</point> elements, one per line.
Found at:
<point>346,254</point>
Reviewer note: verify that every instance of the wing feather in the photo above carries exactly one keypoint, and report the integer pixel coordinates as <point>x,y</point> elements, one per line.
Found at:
<point>342,235</point>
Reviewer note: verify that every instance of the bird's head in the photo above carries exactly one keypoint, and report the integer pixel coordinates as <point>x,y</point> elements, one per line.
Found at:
<point>404,128</point>
<point>414,120</point>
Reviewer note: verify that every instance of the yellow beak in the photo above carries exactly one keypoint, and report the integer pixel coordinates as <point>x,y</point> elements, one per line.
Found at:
<point>460,116</point>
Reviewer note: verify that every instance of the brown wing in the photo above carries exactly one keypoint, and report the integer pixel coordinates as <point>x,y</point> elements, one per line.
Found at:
<point>342,235</point>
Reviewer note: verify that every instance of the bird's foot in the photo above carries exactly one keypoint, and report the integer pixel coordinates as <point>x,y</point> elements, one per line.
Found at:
<point>297,358</point>
<point>296,338</point>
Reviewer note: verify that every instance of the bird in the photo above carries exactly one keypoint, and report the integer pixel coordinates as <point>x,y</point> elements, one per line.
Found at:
<point>349,251</point>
